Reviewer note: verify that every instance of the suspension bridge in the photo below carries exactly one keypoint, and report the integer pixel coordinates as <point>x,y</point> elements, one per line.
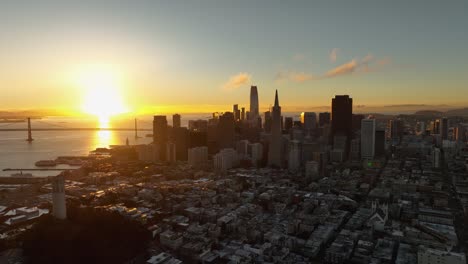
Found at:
<point>6,126</point>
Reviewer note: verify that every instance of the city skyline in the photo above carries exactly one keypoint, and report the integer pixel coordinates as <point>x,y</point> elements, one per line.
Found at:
<point>147,62</point>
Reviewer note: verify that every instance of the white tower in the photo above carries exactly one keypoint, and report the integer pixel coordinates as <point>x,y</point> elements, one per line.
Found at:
<point>58,198</point>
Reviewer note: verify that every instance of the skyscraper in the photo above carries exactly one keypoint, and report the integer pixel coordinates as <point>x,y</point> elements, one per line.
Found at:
<point>226,131</point>
<point>175,120</point>
<point>308,120</point>
<point>236,112</point>
<point>254,114</point>
<point>342,117</point>
<point>324,119</point>
<point>274,155</point>
<point>367,138</point>
<point>444,128</point>
<point>160,135</point>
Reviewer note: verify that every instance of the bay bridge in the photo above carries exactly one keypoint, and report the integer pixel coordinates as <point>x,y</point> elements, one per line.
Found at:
<point>5,126</point>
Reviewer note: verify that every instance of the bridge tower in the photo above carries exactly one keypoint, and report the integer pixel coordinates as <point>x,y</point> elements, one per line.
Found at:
<point>30,139</point>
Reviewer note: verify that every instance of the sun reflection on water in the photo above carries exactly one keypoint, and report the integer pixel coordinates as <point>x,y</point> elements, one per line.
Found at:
<point>104,138</point>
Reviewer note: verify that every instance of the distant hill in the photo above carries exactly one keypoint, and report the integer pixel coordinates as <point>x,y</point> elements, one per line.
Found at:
<point>457,112</point>
<point>429,113</point>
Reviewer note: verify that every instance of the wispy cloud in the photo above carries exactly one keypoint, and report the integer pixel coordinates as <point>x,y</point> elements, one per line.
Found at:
<point>237,81</point>
<point>334,54</point>
<point>366,64</point>
<point>343,69</point>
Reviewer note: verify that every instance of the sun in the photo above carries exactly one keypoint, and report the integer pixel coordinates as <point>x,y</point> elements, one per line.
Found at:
<point>102,95</point>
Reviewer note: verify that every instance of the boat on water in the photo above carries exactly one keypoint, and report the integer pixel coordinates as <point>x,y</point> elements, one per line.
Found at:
<point>46,163</point>
<point>21,175</point>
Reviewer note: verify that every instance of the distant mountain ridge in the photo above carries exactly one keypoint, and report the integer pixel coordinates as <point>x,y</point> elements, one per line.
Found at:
<point>453,112</point>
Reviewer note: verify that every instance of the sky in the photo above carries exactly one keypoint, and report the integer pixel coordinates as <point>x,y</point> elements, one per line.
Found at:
<point>202,56</point>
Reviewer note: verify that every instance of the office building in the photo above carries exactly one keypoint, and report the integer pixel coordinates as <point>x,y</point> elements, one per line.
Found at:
<point>342,118</point>
<point>197,156</point>
<point>288,123</point>
<point>444,127</point>
<point>379,143</point>
<point>242,113</point>
<point>236,112</point>
<point>367,138</point>
<point>176,121</point>
<point>324,119</point>
<point>225,131</point>
<point>254,106</point>
<point>294,157</point>
<point>308,121</point>
<point>225,159</point>
<point>160,135</point>
<point>274,154</point>
<point>171,152</point>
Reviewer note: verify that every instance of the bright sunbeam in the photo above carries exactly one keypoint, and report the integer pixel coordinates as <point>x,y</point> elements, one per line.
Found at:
<point>102,95</point>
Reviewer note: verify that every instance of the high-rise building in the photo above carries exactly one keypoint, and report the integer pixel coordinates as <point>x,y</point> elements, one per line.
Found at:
<point>288,123</point>
<point>308,120</point>
<point>243,113</point>
<point>226,131</point>
<point>225,159</point>
<point>197,156</point>
<point>379,143</point>
<point>396,130</point>
<point>357,122</point>
<point>460,133</point>
<point>254,108</point>
<point>367,138</point>
<point>236,112</point>
<point>294,157</point>
<point>274,152</point>
<point>267,125</point>
<point>255,151</point>
<point>176,121</point>
<point>171,152</point>
<point>342,118</point>
<point>436,157</point>
<point>444,127</point>
<point>324,119</point>
<point>160,135</point>
<point>59,209</point>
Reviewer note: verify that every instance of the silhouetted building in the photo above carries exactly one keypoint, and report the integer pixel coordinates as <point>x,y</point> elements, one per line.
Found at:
<point>181,140</point>
<point>342,118</point>
<point>243,113</point>
<point>274,155</point>
<point>236,112</point>
<point>357,121</point>
<point>254,108</point>
<point>160,135</point>
<point>226,131</point>
<point>267,125</point>
<point>288,123</point>
<point>324,119</point>
<point>379,143</point>
<point>309,121</point>
<point>197,138</point>
<point>444,127</point>
<point>176,121</point>
<point>198,125</point>
<point>396,130</point>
